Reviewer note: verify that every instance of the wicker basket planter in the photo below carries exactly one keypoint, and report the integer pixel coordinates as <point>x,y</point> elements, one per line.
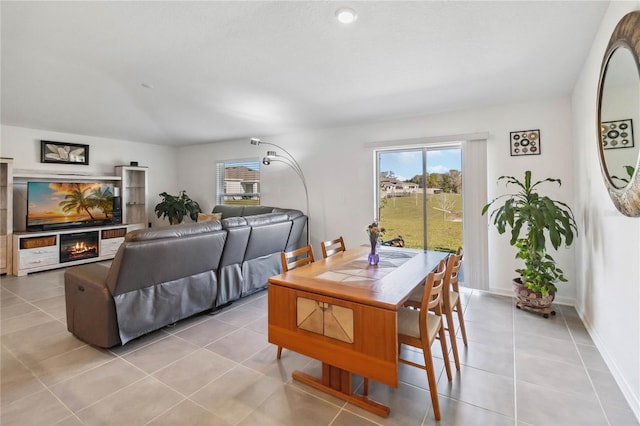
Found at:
<point>531,298</point>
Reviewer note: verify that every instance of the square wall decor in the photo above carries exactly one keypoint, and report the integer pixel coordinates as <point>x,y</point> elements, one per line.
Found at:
<point>525,142</point>
<point>617,134</point>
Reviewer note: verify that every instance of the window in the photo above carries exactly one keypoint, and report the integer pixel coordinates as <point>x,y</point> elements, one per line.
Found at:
<point>474,193</point>
<point>420,196</point>
<point>238,182</point>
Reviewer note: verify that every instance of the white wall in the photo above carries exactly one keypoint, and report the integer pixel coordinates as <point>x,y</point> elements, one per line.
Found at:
<point>23,145</point>
<point>338,165</point>
<point>608,252</point>
<point>602,267</point>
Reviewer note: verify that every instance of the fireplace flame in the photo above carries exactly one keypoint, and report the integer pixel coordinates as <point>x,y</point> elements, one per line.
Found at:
<point>79,247</point>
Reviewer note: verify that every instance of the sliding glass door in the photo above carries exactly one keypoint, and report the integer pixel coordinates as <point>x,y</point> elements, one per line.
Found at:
<point>420,196</point>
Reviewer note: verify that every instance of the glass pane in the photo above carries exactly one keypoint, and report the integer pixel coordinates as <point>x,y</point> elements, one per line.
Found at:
<point>242,183</point>
<point>400,196</point>
<point>444,199</point>
<point>401,204</point>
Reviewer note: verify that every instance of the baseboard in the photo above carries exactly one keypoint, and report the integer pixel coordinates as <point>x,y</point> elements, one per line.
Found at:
<point>620,378</point>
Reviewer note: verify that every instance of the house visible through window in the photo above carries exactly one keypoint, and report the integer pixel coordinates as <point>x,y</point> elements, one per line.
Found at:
<point>238,182</point>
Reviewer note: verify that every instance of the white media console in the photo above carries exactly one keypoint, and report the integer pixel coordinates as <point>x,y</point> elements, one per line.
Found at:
<point>40,251</point>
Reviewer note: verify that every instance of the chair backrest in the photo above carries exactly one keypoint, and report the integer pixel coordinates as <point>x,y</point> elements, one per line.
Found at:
<point>295,258</point>
<point>453,268</point>
<point>453,263</point>
<point>432,296</point>
<point>331,247</point>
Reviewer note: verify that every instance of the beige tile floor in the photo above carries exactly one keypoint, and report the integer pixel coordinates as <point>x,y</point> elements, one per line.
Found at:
<point>518,369</point>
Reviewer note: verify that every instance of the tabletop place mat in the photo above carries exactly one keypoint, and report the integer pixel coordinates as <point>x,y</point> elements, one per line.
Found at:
<point>360,272</point>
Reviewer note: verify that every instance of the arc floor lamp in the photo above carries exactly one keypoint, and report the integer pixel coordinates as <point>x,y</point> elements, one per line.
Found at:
<point>290,161</point>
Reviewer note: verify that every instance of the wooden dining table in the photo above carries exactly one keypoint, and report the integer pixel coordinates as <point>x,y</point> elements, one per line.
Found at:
<point>343,312</point>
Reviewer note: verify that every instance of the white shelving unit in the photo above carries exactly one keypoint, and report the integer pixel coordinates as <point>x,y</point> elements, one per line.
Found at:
<point>6,214</point>
<point>133,190</point>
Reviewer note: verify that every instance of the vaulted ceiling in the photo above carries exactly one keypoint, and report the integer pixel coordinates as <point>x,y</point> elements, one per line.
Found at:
<point>180,73</point>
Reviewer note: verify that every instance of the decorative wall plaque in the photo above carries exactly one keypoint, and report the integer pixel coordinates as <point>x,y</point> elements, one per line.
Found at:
<point>525,142</point>
<point>62,152</point>
<point>617,134</point>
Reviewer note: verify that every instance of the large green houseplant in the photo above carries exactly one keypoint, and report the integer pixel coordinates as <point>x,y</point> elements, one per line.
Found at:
<point>531,218</point>
<point>176,207</point>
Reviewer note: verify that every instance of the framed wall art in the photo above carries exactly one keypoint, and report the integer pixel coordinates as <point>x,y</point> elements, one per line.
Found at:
<point>617,134</point>
<point>65,153</point>
<point>525,142</point>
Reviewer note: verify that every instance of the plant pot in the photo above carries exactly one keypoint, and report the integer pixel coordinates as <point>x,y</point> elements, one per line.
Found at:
<point>531,298</point>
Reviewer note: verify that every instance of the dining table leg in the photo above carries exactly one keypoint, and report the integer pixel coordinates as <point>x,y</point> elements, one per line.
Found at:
<point>337,382</point>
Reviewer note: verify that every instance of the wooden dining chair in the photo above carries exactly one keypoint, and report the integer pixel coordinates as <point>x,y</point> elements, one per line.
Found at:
<point>450,302</point>
<point>331,247</point>
<point>454,293</point>
<point>420,327</point>
<point>294,259</point>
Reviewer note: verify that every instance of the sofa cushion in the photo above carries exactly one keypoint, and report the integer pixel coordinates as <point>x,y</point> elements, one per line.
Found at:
<point>269,234</point>
<point>266,219</point>
<point>173,231</point>
<point>233,222</point>
<point>254,210</point>
<point>291,213</point>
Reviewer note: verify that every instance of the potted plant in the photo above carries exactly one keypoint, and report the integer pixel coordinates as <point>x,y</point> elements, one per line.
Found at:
<point>533,219</point>
<point>177,207</point>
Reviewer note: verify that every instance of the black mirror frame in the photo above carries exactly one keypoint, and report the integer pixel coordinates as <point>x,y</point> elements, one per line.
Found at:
<point>627,35</point>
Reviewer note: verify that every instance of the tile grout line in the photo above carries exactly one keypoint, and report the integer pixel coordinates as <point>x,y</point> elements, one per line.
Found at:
<point>44,385</point>
<point>236,365</point>
<point>586,370</point>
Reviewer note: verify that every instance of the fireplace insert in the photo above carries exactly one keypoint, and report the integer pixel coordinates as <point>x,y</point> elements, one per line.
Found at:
<point>79,245</point>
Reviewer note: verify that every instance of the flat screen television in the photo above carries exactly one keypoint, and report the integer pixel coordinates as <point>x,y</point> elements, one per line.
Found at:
<point>58,205</point>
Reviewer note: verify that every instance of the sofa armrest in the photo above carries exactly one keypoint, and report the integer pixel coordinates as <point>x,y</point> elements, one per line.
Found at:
<point>92,275</point>
<point>91,311</point>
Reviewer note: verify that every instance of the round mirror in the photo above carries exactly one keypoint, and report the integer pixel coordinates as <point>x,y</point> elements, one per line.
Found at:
<point>619,112</point>
<point>619,115</point>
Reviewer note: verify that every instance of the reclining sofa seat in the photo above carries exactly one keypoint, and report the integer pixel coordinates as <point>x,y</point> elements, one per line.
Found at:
<point>296,238</point>
<point>255,237</point>
<point>268,238</point>
<point>157,277</point>
<point>230,269</point>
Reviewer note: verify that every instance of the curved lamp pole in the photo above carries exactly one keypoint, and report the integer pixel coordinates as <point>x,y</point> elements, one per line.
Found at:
<point>290,161</point>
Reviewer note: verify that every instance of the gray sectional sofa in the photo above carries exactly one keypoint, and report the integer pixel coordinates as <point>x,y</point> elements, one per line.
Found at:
<point>162,275</point>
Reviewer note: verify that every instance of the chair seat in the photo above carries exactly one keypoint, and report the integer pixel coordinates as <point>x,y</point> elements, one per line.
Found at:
<point>409,323</point>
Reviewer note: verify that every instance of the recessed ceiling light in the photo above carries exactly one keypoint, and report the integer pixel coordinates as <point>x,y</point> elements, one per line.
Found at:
<point>346,15</point>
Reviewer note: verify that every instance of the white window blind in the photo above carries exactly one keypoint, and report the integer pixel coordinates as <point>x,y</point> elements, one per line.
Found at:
<point>238,182</point>
<point>475,226</point>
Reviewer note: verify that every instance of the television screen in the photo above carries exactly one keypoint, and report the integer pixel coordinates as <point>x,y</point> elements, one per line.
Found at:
<point>51,204</point>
